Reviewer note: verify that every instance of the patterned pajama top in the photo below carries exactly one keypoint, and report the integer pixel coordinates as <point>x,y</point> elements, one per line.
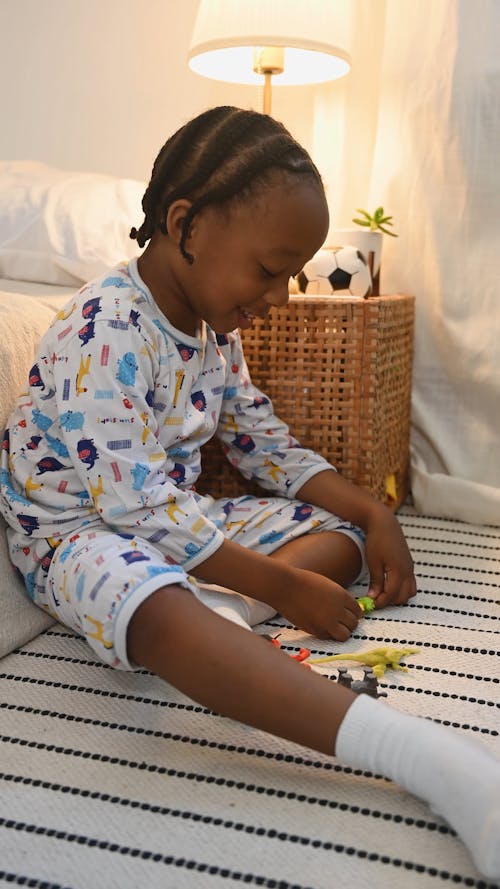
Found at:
<point>109,429</point>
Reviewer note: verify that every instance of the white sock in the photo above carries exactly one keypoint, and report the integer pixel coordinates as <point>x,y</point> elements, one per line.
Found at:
<point>233,606</point>
<point>458,778</point>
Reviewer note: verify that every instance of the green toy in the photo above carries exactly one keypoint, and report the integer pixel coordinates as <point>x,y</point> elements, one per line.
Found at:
<point>366,603</point>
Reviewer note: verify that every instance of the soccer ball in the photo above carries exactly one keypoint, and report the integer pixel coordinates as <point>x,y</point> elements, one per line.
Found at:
<point>336,271</point>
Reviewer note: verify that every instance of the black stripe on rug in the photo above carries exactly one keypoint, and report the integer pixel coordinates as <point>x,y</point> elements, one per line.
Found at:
<point>271,833</point>
<point>227,873</point>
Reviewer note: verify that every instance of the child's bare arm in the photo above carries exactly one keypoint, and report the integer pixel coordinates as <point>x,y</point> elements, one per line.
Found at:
<point>392,580</point>
<point>308,600</point>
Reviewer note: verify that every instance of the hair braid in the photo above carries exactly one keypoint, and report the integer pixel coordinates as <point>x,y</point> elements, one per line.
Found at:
<point>221,154</point>
<point>225,139</point>
<point>168,157</point>
<point>260,161</point>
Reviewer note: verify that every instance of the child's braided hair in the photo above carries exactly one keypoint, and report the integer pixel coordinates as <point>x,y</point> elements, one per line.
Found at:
<point>221,154</point>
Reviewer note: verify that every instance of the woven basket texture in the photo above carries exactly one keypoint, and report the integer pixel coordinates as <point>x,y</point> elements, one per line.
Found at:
<point>338,371</point>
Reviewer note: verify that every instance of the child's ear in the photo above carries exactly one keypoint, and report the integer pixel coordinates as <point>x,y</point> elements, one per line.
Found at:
<point>174,221</point>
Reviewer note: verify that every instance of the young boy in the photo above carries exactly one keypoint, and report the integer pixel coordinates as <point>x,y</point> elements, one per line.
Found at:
<point>101,458</point>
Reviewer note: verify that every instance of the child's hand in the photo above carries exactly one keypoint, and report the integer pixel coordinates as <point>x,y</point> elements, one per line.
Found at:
<point>318,605</point>
<point>392,581</point>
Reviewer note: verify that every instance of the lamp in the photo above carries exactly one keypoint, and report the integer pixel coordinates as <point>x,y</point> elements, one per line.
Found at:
<point>289,41</point>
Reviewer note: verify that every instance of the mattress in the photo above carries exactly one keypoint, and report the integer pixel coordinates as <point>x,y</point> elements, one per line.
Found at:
<point>51,295</point>
<point>34,288</point>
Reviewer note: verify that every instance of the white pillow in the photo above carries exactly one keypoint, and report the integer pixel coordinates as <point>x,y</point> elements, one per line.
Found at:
<point>64,228</point>
<point>23,320</point>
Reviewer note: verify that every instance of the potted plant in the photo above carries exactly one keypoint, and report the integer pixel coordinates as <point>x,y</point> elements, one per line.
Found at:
<point>368,239</point>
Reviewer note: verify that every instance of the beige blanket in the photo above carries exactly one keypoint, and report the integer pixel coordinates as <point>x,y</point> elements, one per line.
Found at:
<point>23,320</point>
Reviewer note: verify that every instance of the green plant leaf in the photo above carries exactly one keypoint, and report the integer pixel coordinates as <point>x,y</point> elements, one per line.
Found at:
<point>376,222</point>
<point>364,213</point>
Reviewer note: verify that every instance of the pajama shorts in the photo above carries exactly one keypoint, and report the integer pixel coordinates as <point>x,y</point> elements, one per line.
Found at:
<point>97,578</point>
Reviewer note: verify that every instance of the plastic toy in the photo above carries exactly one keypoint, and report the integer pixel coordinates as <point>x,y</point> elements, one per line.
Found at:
<point>376,660</point>
<point>366,603</point>
<point>302,655</point>
<point>368,685</point>
<point>379,659</point>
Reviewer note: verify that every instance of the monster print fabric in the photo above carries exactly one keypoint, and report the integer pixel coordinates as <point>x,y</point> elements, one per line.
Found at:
<point>110,427</point>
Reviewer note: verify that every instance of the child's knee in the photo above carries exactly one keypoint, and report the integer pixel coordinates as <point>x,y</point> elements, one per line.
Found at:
<point>156,624</point>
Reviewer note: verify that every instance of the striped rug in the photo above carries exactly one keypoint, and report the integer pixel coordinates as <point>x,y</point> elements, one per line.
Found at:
<point>117,780</point>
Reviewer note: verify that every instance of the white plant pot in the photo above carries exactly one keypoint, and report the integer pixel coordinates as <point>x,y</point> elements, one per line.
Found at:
<point>367,242</point>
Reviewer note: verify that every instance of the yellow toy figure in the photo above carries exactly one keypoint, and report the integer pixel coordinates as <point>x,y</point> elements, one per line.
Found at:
<point>379,659</point>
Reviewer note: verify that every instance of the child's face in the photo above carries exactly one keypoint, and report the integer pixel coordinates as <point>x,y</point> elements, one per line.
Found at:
<point>244,257</point>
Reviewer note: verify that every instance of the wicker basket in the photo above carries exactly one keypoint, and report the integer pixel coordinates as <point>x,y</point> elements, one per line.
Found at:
<point>338,370</point>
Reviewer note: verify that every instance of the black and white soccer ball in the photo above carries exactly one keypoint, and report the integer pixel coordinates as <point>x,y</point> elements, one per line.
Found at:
<point>336,271</point>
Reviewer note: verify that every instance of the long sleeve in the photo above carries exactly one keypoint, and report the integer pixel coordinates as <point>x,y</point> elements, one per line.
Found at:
<point>258,443</point>
<point>118,447</point>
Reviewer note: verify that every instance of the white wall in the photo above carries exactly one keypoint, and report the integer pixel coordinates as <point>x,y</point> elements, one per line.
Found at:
<point>100,84</point>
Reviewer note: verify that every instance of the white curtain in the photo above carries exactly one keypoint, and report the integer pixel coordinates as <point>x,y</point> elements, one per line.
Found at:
<point>433,140</point>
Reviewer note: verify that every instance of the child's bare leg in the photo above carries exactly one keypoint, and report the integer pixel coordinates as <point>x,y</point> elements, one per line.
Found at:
<point>240,675</point>
<point>234,672</point>
<point>329,553</point>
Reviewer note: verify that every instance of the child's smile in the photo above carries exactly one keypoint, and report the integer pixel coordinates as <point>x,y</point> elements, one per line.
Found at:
<point>244,256</point>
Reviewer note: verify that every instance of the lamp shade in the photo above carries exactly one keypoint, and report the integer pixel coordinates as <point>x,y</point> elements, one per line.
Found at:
<point>315,34</point>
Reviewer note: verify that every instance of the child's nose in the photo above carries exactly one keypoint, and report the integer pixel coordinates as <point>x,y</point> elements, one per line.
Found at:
<point>278,296</point>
